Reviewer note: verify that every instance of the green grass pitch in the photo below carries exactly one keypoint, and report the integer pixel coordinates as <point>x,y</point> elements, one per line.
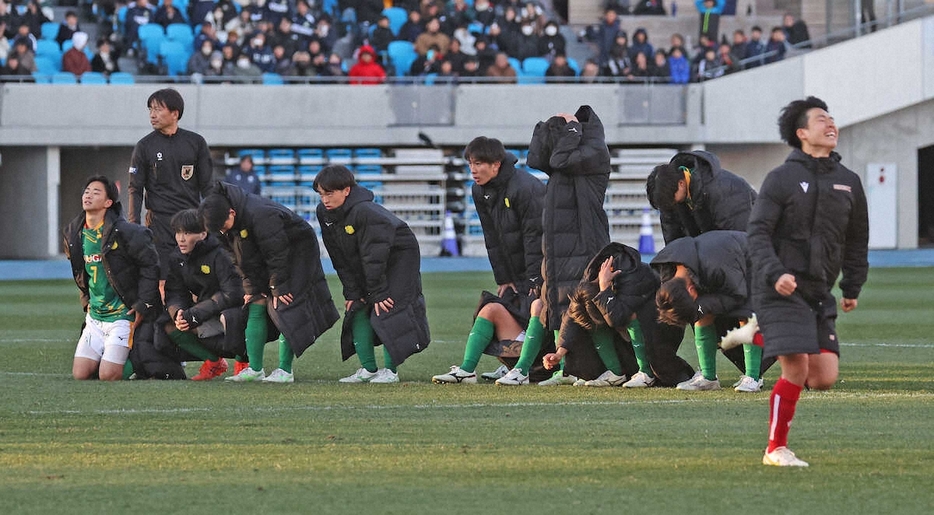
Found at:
<point>319,447</point>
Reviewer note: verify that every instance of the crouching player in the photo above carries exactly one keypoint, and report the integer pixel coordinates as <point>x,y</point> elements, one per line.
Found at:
<point>612,303</point>
<point>116,268</point>
<point>377,259</point>
<point>203,295</point>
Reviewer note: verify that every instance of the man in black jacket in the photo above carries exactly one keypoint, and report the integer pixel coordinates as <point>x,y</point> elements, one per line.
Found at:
<point>116,269</point>
<point>694,195</point>
<point>203,295</point>
<point>809,224</point>
<point>171,170</point>
<point>377,259</point>
<point>278,257</point>
<point>509,203</point>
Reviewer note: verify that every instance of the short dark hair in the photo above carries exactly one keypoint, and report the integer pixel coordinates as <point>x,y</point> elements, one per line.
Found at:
<point>675,305</point>
<point>187,221</point>
<point>485,150</point>
<point>170,98</point>
<point>794,116</point>
<point>214,210</point>
<point>109,187</point>
<point>334,178</point>
<point>665,185</point>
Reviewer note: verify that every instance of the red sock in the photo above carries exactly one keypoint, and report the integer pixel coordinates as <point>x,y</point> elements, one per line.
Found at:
<point>782,404</point>
<point>758,341</point>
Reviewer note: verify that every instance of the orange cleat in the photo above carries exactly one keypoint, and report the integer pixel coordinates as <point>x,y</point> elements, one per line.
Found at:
<point>210,370</point>
<point>240,365</point>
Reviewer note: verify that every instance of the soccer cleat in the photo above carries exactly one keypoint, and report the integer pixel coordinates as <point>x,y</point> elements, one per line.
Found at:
<point>698,383</point>
<point>248,375</point>
<point>385,376</point>
<point>514,377</point>
<point>740,335</point>
<point>211,369</point>
<point>639,380</point>
<point>240,365</point>
<point>747,384</point>
<point>362,375</point>
<point>607,378</point>
<point>558,378</point>
<point>455,376</point>
<point>496,374</point>
<point>279,376</point>
<point>579,382</point>
<point>782,457</point>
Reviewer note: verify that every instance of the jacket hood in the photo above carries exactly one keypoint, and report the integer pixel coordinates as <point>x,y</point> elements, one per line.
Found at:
<point>367,49</point>
<point>625,258</point>
<point>593,127</point>
<point>688,159</point>
<point>816,164</point>
<point>357,195</point>
<point>234,194</point>
<point>681,251</point>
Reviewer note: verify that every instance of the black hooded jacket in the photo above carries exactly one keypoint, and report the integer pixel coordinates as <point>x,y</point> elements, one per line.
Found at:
<point>510,209</point>
<point>575,226</point>
<point>720,200</point>
<point>277,253</point>
<point>377,256</point>
<point>207,273</point>
<point>129,259</point>
<point>718,262</point>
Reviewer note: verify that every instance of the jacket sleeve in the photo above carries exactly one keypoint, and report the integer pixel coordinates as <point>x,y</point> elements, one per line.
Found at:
<point>376,239</point>
<point>82,292</point>
<point>177,295</point>
<point>672,228</point>
<point>856,247</point>
<point>273,242</point>
<point>139,172</point>
<point>143,253</point>
<point>539,149</point>
<point>727,289</point>
<point>204,168</point>
<point>766,213</point>
<point>230,294</point>
<point>530,217</point>
<point>569,155</point>
<point>615,309</point>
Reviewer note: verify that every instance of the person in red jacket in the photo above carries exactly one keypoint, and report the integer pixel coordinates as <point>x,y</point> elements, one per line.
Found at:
<point>75,60</point>
<point>367,70</point>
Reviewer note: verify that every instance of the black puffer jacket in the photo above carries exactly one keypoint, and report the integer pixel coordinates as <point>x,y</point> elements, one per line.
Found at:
<point>510,209</point>
<point>277,253</point>
<point>376,256</point>
<point>129,258</point>
<point>720,200</point>
<point>209,274</point>
<point>633,291</point>
<point>718,263</point>
<point>575,226</point>
<point>811,220</point>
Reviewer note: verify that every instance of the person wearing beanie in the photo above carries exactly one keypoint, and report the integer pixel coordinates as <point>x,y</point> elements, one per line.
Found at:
<point>75,60</point>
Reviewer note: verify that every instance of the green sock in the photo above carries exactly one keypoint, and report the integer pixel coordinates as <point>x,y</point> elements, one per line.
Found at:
<point>387,359</point>
<point>127,369</point>
<point>255,334</point>
<point>480,336</point>
<point>560,366</point>
<point>603,341</point>
<point>286,356</point>
<point>638,347</point>
<point>532,345</point>
<point>705,339</point>
<point>189,342</point>
<point>363,340</point>
<point>753,355</point>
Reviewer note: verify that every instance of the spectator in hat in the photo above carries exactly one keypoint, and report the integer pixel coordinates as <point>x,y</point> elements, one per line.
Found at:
<point>75,60</point>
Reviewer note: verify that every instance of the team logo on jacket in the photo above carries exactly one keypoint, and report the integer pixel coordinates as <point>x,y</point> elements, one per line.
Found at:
<point>244,233</point>
<point>114,246</point>
<point>349,229</point>
<point>507,202</point>
<point>188,171</point>
<point>804,186</point>
<point>205,269</point>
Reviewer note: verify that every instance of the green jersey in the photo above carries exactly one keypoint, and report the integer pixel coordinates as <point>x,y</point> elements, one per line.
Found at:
<point>105,304</point>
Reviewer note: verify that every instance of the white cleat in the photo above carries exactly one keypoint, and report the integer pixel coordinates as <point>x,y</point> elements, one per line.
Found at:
<point>248,375</point>
<point>514,377</point>
<point>639,380</point>
<point>362,375</point>
<point>496,374</point>
<point>279,376</point>
<point>607,378</point>
<point>782,457</point>
<point>741,335</point>
<point>699,383</point>
<point>455,376</point>
<point>748,384</point>
<point>385,376</point>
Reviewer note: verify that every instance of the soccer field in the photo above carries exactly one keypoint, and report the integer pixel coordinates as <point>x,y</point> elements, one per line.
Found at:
<point>320,447</point>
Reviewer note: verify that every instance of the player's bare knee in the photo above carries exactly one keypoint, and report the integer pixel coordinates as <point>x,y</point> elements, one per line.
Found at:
<point>537,306</point>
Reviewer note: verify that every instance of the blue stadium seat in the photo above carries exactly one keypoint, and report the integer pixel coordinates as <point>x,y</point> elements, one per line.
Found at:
<point>45,65</point>
<point>64,78</point>
<point>93,78</point>
<point>122,78</point>
<point>397,18</point>
<point>402,55</point>
<point>42,78</point>
<point>258,155</point>
<point>307,174</point>
<point>278,156</point>
<point>574,66</point>
<point>310,155</point>
<point>273,79</point>
<point>51,50</point>
<point>151,37</point>
<point>49,30</point>
<point>175,56</point>
<point>535,66</point>
<point>281,174</point>
<point>180,32</point>
<point>368,170</point>
<point>516,64</point>
<point>338,155</point>
<point>369,152</point>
